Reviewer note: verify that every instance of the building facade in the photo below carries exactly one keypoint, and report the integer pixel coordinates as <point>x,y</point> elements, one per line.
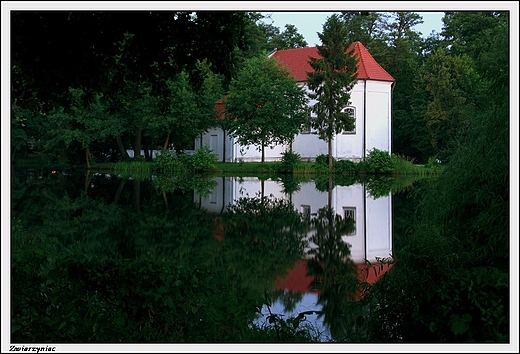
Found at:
<point>371,106</point>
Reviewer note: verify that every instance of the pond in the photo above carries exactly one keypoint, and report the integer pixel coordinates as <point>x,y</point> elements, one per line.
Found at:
<point>278,250</point>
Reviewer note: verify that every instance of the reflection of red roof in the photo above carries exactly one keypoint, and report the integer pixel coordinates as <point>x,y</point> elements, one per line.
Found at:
<point>298,281</point>
<point>297,62</point>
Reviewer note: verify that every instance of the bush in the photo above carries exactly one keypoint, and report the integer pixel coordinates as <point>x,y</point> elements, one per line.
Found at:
<point>378,162</point>
<point>289,160</point>
<point>203,160</point>
<point>323,160</point>
<point>345,167</point>
<point>169,161</point>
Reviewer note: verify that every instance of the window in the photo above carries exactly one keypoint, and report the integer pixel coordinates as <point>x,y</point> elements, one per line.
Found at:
<point>352,112</point>
<point>306,212</point>
<point>213,143</point>
<point>350,213</point>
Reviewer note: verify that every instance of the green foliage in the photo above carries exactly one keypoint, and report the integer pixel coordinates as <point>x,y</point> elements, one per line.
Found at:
<point>289,38</point>
<point>294,329</point>
<point>203,160</point>
<point>450,279</point>
<point>170,161</point>
<point>18,135</point>
<point>452,84</point>
<point>265,105</point>
<point>345,167</point>
<point>377,162</point>
<point>131,168</point>
<point>477,301</point>
<point>289,162</point>
<point>333,77</point>
<point>323,160</point>
<point>379,186</point>
<point>433,164</point>
<point>366,27</point>
<point>75,299</point>
<point>266,232</point>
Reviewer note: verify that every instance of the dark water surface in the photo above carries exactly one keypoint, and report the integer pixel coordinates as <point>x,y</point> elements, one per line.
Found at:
<point>292,246</point>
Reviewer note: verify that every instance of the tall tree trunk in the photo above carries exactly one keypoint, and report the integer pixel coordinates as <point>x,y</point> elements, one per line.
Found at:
<point>165,146</point>
<point>330,154</point>
<point>263,152</point>
<point>146,153</point>
<point>330,192</point>
<point>87,180</point>
<point>87,157</point>
<point>138,144</point>
<point>119,190</point>
<point>137,194</point>
<point>165,198</point>
<point>124,153</point>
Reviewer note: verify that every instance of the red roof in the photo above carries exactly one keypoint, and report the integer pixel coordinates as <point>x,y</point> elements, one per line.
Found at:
<point>298,280</point>
<point>297,61</point>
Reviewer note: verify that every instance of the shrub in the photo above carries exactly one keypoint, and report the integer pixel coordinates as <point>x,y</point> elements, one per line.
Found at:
<point>345,167</point>
<point>202,160</point>
<point>289,160</point>
<point>169,161</point>
<point>323,160</point>
<point>378,162</point>
<point>403,165</point>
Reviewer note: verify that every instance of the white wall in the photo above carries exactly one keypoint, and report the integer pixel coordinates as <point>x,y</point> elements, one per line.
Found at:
<point>378,122</point>
<point>373,218</point>
<point>377,132</point>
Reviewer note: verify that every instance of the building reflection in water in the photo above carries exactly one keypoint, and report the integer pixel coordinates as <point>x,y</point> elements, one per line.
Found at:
<point>367,243</point>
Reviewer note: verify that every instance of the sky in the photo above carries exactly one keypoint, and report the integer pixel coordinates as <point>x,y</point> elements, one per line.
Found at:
<point>309,23</point>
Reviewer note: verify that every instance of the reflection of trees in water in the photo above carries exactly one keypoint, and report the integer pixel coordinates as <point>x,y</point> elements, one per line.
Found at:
<point>263,236</point>
<point>289,299</point>
<point>334,271</point>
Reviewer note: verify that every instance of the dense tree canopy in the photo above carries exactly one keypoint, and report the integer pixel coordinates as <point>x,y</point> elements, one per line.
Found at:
<point>265,105</point>
<point>127,59</point>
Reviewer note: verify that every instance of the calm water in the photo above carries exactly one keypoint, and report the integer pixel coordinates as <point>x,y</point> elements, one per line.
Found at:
<point>301,246</point>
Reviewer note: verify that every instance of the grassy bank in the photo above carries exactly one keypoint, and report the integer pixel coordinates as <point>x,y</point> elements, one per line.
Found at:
<point>400,167</point>
<point>376,162</point>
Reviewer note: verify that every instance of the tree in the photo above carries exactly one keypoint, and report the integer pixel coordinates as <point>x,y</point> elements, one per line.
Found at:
<point>265,106</point>
<point>401,60</point>
<point>82,123</point>
<point>368,28</point>
<point>334,76</point>
<point>115,53</point>
<point>472,33</point>
<point>449,81</point>
<point>289,38</point>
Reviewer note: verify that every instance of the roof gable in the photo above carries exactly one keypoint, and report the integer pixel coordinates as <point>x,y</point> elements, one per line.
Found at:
<point>297,62</point>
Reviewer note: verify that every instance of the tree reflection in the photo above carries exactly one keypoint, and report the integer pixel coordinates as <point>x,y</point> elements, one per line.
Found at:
<point>263,237</point>
<point>334,271</point>
<point>199,183</point>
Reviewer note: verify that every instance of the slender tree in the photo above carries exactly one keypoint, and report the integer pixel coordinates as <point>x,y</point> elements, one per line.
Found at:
<point>334,75</point>
<point>265,105</point>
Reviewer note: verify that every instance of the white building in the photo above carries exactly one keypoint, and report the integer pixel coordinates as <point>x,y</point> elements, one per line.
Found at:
<point>372,238</point>
<point>371,105</point>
